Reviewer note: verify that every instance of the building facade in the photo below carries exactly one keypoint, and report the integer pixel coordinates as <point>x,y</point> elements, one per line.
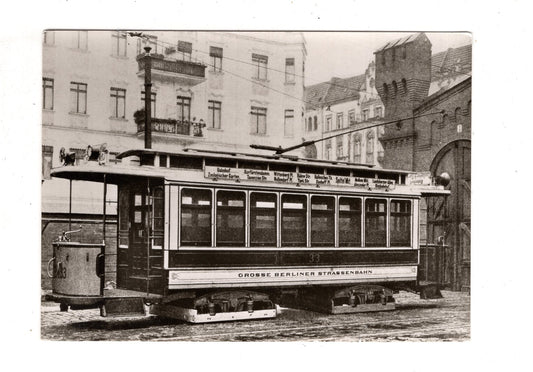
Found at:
<point>342,105</point>
<point>210,90</point>
<point>429,99</point>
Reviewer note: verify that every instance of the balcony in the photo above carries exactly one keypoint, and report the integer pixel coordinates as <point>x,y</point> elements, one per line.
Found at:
<point>170,126</point>
<point>187,73</point>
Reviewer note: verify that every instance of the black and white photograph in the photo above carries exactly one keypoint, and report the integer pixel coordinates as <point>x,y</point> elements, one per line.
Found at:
<point>282,185</point>
<point>262,191</point>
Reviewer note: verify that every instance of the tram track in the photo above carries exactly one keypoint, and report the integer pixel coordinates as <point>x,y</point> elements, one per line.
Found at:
<point>424,325</point>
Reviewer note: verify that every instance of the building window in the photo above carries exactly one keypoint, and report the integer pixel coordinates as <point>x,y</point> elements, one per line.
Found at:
<point>400,223</point>
<point>215,54</point>
<point>349,222</point>
<point>404,86</point>
<point>49,37</point>
<point>309,123</point>
<point>383,59</point>
<point>289,70</point>
<point>371,83</point>
<point>328,154</point>
<point>288,124</point>
<point>328,123</point>
<point>404,52</point>
<point>385,92</point>
<point>214,109</point>
<point>322,221</point>
<point>78,98</point>
<point>195,217</point>
<point>119,44</point>
<point>315,123</point>
<point>340,120</point>
<point>258,120</point>
<point>118,103</point>
<point>185,50</point>
<point>231,208</point>
<point>394,88</point>
<point>153,105</point>
<point>48,94</point>
<point>293,220</point>
<point>370,148</point>
<point>263,211</point>
<point>457,114</point>
<point>340,148</point>
<point>260,66</point>
<point>47,154</point>
<point>351,117</point>
<point>184,109</point>
<point>375,223</point>
<point>79,40</point>
<point>378,112</point>
<point>357,149</point>
<point>365,114</point>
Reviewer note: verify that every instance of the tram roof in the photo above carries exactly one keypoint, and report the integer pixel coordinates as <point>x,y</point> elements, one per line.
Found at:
<point>264,158</point>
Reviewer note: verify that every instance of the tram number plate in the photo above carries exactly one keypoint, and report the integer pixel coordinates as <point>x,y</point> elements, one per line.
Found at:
<point>314,257</point>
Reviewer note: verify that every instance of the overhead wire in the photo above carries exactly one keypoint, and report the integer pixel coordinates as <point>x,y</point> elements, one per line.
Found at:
<point>305,143</point>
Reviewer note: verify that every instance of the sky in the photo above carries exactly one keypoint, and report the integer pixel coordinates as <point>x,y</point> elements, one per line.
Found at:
<point>344,54</point>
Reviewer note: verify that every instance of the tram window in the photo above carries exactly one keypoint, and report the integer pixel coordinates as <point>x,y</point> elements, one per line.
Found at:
<point>230,218</point>
<point>263,209</point>
<point>400,223</point>
<point>174,162</point>
<point>196,217</point>
<point>349,222</point>
<point>280,167</point>
<point>220,162</point>
<point>253,165</point>
<point>293,220</point>
<point>147,159</point>
<point>375,223</point>
<point>339,172</point>
<point>186,162</point>
<point>190,163</point>
<point>322,221</point>
<point>312,170</point>
<point>163,161</point>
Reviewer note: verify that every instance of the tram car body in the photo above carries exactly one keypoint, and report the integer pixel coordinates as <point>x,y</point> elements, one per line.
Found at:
<point>214,236</point>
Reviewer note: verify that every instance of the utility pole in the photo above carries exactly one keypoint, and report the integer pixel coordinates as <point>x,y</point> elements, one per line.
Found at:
<point>147,99</point>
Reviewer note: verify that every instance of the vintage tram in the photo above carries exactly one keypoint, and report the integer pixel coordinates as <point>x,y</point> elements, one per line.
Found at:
<point>215,236</point>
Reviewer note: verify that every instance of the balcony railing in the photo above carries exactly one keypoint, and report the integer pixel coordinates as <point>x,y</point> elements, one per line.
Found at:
<point>159,63</point>
<point>170,126</point>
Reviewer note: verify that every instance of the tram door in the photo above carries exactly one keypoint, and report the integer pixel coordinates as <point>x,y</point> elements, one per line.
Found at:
<point>453,219</point>
<point>141,260</point>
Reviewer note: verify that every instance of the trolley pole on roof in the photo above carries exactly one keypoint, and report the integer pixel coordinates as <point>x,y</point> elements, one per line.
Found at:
<point>147,99</point>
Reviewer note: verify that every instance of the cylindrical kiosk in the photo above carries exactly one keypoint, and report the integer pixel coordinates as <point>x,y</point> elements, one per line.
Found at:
<point>77,269</point>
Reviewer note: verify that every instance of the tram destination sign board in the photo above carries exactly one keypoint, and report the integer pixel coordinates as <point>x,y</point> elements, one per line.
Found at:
<point>242,174</point>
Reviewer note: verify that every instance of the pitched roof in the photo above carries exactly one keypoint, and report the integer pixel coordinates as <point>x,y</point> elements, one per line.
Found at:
<point>451,62</point>
<point>398,42</point>
<point>450,68</point>
<point>335,90</point>
<point>314,95</point>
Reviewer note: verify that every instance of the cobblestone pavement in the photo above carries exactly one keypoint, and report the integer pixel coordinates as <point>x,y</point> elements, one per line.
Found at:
<point>446,319</point>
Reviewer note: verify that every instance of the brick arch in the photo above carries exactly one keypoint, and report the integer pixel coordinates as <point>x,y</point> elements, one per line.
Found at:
<point>455,159</point>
